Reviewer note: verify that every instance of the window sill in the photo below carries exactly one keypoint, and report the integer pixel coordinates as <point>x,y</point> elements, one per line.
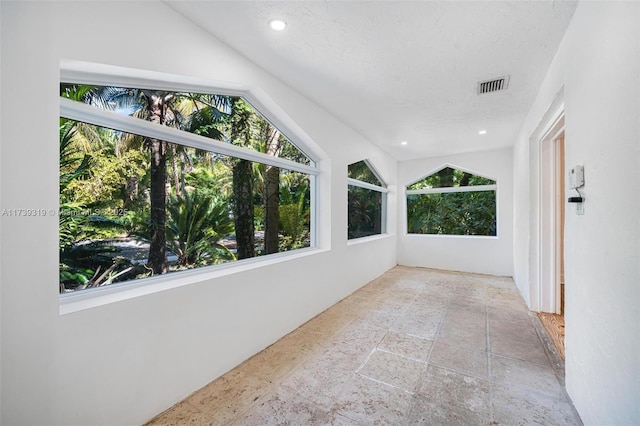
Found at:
<point>92,298</point>
<point>466,237</point>
<point>361,240</point>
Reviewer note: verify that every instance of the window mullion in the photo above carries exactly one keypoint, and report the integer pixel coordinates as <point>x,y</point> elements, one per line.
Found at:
<point>452,189</point>
<point>88,114</point>
<point>361,184</point>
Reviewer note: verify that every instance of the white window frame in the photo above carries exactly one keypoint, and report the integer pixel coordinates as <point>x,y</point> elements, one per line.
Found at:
<point>446,190</point>
<point>383,189</point>
<point>76,72</point>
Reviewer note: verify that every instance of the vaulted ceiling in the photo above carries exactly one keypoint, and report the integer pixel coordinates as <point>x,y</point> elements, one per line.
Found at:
<point>401,70</point>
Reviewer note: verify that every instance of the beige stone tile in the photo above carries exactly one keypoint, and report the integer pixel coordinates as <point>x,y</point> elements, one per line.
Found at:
<point>406,345</point>
<point>466,337</point>
<point>412,284</point>
<point>434,299</point>
<point>361,300</point>
<point>494,282</point>
<point>418,311</point>
<point>449,398</point>
<point>328,323</point>
<point>502,314</point>
<point>182,414</point>
<point>228,396</point>
<point>505,298</point>
<point>519,407</point>
<point>516,329</point>
<point>339,420</point>
<point>282,357</point>
<point>530,351</point>
<point>521,374</point>
<point>425,328</point>
<point>420,321</point>
<point>469,305</point>
<point>402,298</point>
<point>461,359</point>
<point>385,331</point>
<point>341,358</point>
<point>356,338</point>
<point>382,316</point>
<point>462,292</point>
<point>393,369</point>
<point>319,382</point>
<point>366,402</point>
<point>461,318</point>
<point>300,340</point>
<point>283,407</point>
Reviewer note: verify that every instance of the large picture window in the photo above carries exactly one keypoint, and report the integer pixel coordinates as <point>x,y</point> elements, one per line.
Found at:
<point>155,181</point>
<point>367,200</point>
<point>452,202</point>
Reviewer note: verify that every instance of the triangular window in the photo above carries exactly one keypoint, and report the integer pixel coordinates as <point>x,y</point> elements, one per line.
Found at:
<point>363,172</point>
<point>448,177</point>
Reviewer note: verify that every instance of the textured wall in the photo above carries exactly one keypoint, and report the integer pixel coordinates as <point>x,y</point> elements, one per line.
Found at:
<point>598,65</point>
<point>123,362</point>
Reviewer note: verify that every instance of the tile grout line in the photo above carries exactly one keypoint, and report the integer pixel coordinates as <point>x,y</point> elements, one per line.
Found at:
<point>449,311</point>
<point>489,365</point>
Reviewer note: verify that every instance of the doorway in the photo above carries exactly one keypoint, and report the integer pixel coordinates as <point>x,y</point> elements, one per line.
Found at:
<point>552,202</point>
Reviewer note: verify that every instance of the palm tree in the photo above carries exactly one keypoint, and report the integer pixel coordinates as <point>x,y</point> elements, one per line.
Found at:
<point>241,134</point>
<point>271,192</point>
<point>196,224</point>
<point>180,110</point>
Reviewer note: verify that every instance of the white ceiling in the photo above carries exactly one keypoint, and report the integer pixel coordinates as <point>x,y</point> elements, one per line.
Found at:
<point>401,70</point>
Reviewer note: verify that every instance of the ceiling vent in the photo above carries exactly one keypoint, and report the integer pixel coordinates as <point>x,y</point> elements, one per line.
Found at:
<point>495,85</point>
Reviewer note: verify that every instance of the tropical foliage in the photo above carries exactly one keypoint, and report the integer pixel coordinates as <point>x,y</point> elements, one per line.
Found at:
<point>134,206</point>
<point>364,205</point>
<point>461,212</point>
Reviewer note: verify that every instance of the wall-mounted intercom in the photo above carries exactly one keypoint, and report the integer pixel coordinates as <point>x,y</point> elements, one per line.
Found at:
<point>576,180</point>
<point>576,177</point>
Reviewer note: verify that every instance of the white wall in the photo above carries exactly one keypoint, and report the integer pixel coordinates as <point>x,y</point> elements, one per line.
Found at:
<point>485,255</point>
<point>124,362</point>
<point>598,65</point>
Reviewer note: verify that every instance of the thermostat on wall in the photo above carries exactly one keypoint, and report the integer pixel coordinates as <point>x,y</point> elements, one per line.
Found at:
<point>576,177</point>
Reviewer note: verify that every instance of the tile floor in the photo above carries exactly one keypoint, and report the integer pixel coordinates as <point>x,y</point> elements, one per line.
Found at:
<point>413,347</point>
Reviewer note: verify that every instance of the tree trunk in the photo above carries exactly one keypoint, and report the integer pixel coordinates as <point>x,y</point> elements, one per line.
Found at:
<point>243,208</point>
<point>271,199</point>
<point>466,178</point>
<point>130,191</point>
<point>174,170</point>
<point>271,195</point>
<point>158,247</point>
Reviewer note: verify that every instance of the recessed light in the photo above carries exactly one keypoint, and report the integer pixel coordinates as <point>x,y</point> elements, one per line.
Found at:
<point>404,143</point>
<point>482,132</point>
<point>277,24</point>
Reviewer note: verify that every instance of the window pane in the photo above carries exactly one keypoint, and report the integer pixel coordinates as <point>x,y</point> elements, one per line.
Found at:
<point>457,213</point>
<point>448,178</point>
<point>365,212</point>
<point>362,172</point>
<point>228,119</point>
<point>216,208</point>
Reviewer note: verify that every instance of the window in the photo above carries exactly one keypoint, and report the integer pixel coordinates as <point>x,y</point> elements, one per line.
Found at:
<point>367,200</point>
<point>452,202</point>
<point>156,181</point>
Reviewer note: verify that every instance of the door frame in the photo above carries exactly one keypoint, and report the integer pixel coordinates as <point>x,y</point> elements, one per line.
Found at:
<point>543,253</point>
<point>551,203</point>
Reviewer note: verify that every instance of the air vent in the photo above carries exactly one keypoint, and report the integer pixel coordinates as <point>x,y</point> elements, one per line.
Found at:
<point>495,85</point>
